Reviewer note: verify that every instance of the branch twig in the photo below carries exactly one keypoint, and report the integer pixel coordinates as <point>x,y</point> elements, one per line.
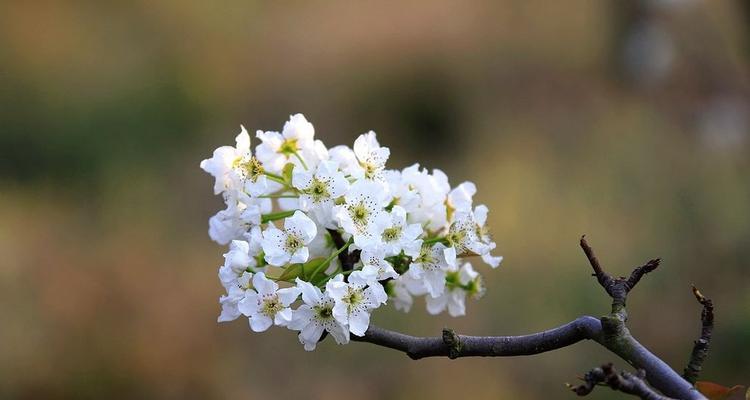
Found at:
<point>617,288</point>
<point>700,346</point>
<point>625,382</point>
<point>609,331</point>
<point>346,258</point>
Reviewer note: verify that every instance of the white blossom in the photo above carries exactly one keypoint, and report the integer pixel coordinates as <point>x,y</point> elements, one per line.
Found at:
<point>236,286</point>
<point>225,159</point>
<point>399,236</point>
<point>226,226</point>
<point>433,190</point>
<point>463,237</point>
<point>294,144</point>
<point>346,159</point>
<point>356,299</point>
<point>362,215</point>
<point>375,258</point>
<point>267,304</point>
<point>320,189</point>
<point>237,261</point>
<point>296,206</point>
<point>460,282</point>
<point>290,244</point>
<point>430,267</point>
<point>371,156</point>
<point>402,289</point>
<point>480,218</point>
<point>461,197</point>
<point>316,316</point>
<point>400,192</point>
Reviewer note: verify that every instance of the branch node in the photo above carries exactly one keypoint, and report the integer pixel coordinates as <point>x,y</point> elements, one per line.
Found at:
<point>453,341</point>
<point>617,288</point>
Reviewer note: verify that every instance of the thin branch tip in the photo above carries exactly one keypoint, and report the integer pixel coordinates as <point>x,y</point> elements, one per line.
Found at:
<point>701,346</point>
<point>639,272</point>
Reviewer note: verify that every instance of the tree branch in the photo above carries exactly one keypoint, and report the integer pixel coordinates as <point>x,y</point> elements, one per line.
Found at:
<point>609,331</point>
<point>455,346</point>
<point>700,346</point>
<point>617,288</point>
<point>625,382</point>
<point>346,258</point>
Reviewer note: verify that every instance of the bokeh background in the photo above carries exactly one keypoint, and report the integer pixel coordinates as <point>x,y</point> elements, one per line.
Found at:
<point>624,120</point>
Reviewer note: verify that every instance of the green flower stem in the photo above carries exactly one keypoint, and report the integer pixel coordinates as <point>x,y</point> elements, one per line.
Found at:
<point>265,218</point>
<point>332,256</point>
<point>296,154</point>
<point>275,178</point>
<point>435,240</point>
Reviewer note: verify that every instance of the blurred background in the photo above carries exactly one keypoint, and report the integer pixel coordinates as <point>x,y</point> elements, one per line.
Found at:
<point>626,121</point>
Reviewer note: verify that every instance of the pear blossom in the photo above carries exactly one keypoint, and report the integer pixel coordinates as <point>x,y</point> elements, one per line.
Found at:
<point>430,267</point>
<point>397,291</point>
<point>316,316</point>
<point>460,283</point>
<point>225,159</point>
<point>375,258</point>
<point>236,169</point>
<point>461,197</point>
<point>236,286</point>
<point>371,156</point>
<point>303,213</point>
<point>462,237</point>
<point>480,218</point>
<point>237,262</point>
<point>319,190</point>
<point>433,190</point>
<point>239,217</point>
<point>225,226</point>
<point>356,299</point>
<point>267,304</point>
<point>401,291</point>
<point>400,192</point>
<point>238,257</point>
<point>399,236</point>
<point>362,215</point>
<point>289,245</point>
<point>346,159</point>
<point>294,144</point>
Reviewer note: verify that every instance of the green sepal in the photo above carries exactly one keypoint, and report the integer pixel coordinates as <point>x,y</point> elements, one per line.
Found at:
<point>286,173</point>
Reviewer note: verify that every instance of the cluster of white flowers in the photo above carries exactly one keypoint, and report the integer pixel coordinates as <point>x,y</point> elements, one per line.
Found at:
<point>340,233</point>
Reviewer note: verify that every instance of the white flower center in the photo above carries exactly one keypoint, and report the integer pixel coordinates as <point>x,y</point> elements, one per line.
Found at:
<point>318,190</point>
<point>323,312</point>
<point>288,147</point>
<point>353,297</point>
<point>292,243</point>
<point>359,213</point>
<point>392,234</point>
<point>250,168</point>
<point>270,305</point>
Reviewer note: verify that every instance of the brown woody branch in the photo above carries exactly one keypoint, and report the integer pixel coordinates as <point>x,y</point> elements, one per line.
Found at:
<point>700,346</point>
<point>617,288</point>
<point>609,331</point>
